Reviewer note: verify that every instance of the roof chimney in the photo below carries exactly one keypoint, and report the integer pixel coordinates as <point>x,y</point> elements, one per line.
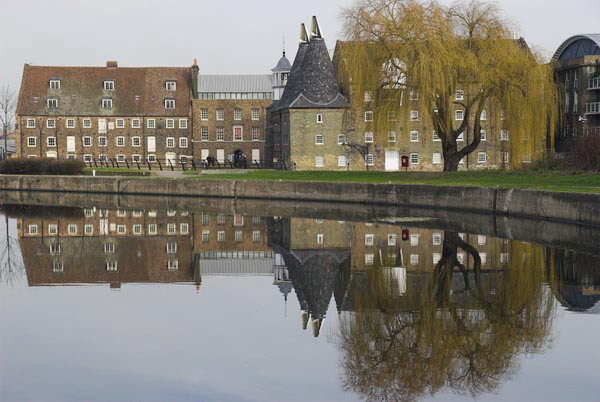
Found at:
<point>195,72</point>
<point>315,30</point>
<point>111,64</point>
<point>303,34</point>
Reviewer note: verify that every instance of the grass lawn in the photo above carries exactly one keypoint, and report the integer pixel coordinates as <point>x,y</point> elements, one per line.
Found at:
<point>522,179</point>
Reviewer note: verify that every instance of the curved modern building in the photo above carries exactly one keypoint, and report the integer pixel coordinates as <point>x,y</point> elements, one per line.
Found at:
<point>577,63</point>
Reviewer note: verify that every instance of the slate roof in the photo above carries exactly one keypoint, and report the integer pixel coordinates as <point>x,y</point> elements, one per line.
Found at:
<point>235,83</point>
<point>139,91</point>
<point>312,82</point>
<point>282,65</point>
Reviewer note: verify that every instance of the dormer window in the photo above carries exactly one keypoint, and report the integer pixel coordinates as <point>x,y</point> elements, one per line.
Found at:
<point>171,85</point>
<point>107,103</point>
<point>169,103</point>
<point>109,85</point>
<point>52,103</point>
<point>54,84</point>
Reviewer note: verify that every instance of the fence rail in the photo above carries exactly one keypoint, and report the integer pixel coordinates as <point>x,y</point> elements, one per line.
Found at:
<point>171,164</point>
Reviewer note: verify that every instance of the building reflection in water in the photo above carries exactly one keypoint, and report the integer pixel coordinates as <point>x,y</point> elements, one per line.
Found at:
<point>420,310</point>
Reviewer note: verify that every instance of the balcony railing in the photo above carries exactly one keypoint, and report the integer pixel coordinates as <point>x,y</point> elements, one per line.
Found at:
<point>594,83</point>
<point>592,108</point>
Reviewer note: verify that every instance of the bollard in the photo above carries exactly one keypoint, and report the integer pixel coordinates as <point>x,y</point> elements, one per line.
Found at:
<point>94,172</point>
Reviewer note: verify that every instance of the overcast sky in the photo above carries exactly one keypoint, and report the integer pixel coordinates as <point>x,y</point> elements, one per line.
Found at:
<point>227,36</point>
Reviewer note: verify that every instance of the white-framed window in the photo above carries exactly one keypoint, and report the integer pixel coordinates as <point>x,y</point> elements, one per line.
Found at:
<point>256,237</point>
<point>320,239</point>
<point>88,229</point>
<point>72,229</point>
<point>319,139</point>
<point>414,115</point>
<point>391,136</point>
<point>135,123</point>
<point>369,160</point>
<point>220,115</point>
<point>151,123</point>
<point>237,114</point>
<point>121,158</point>
<point>436,137</point>
<point>341,139</point>
<point>483,115</point>
<point>184,228</point>
<point>483,135</point>
<point>319,118</point>
<point>414,240</point>
<point>137,229</point>
<point>368,96</point>
<point>70,123</point>
<point>102,157</point>
<point>392,239</point>
<point>171,227</point>
<point>436,159</point>
<point>112,266</point>
<point>369,136</point>
<point>461,137</point>
<point>120,141</point>
<point>102,141</point>
<point>54,248</point>
<point>121,229</point>
<point>436,257</point>
<point>109,85</point>
<point>459,114</point>
<point>32,230</point>
<point>169,103</point>
<point>368,116</point>
<point>504,135</point>
<point>239,236</point>
<point>136,158</point>
<point>52,103</point>
<point>171,85</point>
<point>204,133</point>
<point>107,103</point>
<point>483,257</point>
<point>414,259</point>
<point>414,136</point>
<point>255,114</point>
<point>414,158</point>
<point>413,95</point>
<point>255,133</point>
<point>172,247</point>
<point>505,156</point>
<point>238,133</point>
<point>51,123</point>
<point>220,134</point>
<point>221,236</point>
<point>204,114</point>
<point>170,142</point>
<point>30,123</point>
<point>460,94</point>
<point>109,248</point>
<point>121,213</point>
<point>54,84</point>
<point>52,229</point>
<point>58,266</point>
<point>120,123</point>
<point>183,142</point>
<point>151,158</point>
<point>87,123</point>
<point>136,141</point>
<point>342,161</point>
<point>369,258</point>
<point>369,240</point>
<point>481,157</point>
<point>87,158</point>
<point>504,258</point>
<point>152,229</point>
<point>31,141</point>
<point>481,239</point>
<point>170,123</point>
<point>51,142</point>
<point>436,239</point>
<point>183,123</point>
<point>319,161</point>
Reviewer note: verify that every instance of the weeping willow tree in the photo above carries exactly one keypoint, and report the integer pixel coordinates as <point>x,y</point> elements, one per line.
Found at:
<point>409,52</point>
<point>459,328</point>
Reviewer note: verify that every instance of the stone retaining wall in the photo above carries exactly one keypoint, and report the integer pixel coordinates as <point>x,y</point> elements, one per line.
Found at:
<point>561,207</point>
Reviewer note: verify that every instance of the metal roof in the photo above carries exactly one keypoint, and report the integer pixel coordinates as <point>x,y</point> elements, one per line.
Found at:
<point>235,83</point>
<point>237,267</point>
<point>592,37</point>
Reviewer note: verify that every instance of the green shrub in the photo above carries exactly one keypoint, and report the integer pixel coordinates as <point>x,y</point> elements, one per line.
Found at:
<point>36,166</point>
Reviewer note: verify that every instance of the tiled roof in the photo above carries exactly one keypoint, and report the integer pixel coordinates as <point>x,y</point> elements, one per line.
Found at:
<point>139,91</point>
<point>235,83</point>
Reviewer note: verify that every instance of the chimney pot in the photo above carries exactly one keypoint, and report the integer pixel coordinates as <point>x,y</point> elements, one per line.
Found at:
<point>111,64</point>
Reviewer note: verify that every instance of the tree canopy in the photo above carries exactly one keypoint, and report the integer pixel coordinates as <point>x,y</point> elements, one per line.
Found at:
<point>397,49</point>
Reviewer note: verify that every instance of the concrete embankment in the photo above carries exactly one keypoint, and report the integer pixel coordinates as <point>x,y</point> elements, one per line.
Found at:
<point>560,207</point>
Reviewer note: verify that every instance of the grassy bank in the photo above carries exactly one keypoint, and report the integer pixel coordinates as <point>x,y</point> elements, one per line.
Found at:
<point>552,181</point>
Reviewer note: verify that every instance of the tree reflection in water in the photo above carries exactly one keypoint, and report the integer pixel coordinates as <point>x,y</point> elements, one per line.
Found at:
<point>457,328</point>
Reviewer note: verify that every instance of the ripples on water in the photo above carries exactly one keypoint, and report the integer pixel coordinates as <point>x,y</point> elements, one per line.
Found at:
<point>229,301</point>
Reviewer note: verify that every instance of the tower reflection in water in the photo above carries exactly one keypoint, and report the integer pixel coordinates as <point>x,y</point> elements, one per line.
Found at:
<point>420,309</point>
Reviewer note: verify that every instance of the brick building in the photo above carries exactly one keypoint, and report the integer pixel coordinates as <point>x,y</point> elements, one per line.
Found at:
<point>577,66</point>
<point>112,112</point>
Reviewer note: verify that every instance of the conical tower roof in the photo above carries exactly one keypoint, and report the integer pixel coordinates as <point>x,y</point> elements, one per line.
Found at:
<point>283,65</point>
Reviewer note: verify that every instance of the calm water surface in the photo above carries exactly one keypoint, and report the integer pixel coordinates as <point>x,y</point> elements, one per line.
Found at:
<point>188,304</point>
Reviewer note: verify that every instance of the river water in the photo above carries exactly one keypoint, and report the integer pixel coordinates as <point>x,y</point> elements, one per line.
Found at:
<point>142,299</point>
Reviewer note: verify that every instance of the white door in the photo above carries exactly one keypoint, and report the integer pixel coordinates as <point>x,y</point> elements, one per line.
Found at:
<point>170,157</point>
<point>151,144</point>
<point>221,155</point>
<point>255,155</point>
<point>70,144</point>
<point>101,126</point>
<point>392,160</point>
<point>204,154</point>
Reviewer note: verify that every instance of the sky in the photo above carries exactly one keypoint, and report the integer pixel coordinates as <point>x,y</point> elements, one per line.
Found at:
<point>227,36</point>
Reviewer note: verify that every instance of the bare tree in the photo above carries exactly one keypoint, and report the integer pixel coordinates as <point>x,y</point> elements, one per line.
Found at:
<point>8,104</point>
